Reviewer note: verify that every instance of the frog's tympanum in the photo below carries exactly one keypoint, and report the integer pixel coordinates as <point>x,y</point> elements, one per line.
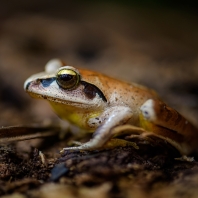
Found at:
<point>106,106</point>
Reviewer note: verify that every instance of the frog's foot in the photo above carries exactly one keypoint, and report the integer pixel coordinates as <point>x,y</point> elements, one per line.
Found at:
<point>112,143</point>
<point>92,144</point>
<point>78,144</point>
<point>74,148</point>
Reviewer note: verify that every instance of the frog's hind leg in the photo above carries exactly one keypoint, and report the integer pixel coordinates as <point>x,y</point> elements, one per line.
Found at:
<point>166,122</point>
<point>133,132</point>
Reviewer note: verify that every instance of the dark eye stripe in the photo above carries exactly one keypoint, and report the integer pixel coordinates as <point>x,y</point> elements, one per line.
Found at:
<point>91,90</point>
<point>47,82</point>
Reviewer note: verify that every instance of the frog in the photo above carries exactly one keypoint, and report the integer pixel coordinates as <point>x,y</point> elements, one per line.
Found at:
<point>108,107</point>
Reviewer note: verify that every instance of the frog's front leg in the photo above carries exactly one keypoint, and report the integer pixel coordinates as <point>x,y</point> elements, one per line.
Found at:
<point>113,117</point>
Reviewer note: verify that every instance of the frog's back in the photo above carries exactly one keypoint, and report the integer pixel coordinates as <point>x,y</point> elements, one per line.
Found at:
<point>118,92</point>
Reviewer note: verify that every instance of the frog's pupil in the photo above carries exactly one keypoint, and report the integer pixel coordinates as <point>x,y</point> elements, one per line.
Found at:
<point>66,77</point>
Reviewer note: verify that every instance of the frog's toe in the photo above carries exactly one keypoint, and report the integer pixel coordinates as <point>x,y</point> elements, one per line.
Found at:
<point>82,147</point>
<point>75,148</point>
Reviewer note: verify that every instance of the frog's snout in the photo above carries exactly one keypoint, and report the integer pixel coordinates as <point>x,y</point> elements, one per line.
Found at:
<point>26,85</point>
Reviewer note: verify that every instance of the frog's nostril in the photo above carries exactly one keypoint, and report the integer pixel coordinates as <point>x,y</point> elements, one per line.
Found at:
<point>27,85</point>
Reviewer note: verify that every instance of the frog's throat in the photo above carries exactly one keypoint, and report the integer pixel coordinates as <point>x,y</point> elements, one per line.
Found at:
<point>75,115</point>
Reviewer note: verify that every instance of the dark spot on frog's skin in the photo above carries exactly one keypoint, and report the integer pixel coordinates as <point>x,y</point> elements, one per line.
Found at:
<point>97,118</point>
<point>44,97</point>
<point>91,90</point>
<point>47,82</point>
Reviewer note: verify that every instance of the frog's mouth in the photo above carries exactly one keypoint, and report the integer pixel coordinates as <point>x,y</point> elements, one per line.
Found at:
<point>36,90</point>
<point>56,100</point>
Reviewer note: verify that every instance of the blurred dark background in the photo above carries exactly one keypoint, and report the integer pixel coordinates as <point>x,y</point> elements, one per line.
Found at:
<point>149,42</point>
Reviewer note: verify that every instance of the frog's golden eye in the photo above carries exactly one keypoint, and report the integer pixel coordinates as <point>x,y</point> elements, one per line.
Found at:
<point>67,78</point>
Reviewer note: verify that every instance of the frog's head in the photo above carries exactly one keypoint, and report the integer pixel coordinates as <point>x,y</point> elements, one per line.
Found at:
<point>65,85</point>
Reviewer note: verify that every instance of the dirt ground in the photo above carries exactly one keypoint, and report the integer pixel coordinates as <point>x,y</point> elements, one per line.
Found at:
<point>154,45</point>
